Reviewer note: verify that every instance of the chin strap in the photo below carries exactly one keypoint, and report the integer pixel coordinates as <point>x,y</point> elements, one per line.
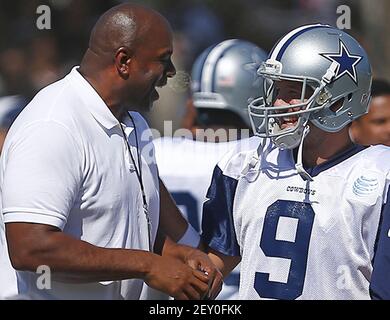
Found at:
<point>255,157</point>
<point>299,166</point>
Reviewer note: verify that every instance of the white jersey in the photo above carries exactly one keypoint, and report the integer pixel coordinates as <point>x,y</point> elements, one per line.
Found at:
<point>301,239</point>
<point>186,167</point>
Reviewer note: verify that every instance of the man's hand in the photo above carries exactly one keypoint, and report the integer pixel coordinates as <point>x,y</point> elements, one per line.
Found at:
<point>179,280</point>
<point>198,260</point>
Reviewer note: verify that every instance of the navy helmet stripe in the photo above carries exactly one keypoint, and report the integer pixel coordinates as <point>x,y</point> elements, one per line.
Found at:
<point>293,37</point>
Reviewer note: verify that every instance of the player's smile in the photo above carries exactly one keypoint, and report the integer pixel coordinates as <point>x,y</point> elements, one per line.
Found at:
<point>287,121</point>
<point>288,95</point>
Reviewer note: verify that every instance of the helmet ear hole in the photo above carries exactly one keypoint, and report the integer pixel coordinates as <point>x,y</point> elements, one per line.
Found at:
<point>337,105</point>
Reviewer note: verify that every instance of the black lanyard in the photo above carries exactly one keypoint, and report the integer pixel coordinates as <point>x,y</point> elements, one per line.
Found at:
<point>138,172</point>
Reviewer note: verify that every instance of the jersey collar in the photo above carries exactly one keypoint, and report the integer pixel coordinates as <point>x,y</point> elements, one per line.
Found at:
<point>351,151</point>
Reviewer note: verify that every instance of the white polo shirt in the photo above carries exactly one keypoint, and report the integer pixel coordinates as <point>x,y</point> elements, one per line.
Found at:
<point>65,163</point>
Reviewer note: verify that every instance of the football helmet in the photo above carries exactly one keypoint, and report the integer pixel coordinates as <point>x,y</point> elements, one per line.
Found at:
<point>331,65</point>
<point>225,77</point>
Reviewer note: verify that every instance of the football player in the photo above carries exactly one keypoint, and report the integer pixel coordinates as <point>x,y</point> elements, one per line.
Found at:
<point>224,80</point>
<point>307,211</point>
<point>374,127</point>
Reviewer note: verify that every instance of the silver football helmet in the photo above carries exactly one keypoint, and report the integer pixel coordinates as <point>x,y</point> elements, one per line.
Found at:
<point>225,77</point>
<point>330,64</point>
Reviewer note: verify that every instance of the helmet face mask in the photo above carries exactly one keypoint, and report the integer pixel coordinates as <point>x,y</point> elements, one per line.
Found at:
<point>313,97</point>
<point>328,63</point>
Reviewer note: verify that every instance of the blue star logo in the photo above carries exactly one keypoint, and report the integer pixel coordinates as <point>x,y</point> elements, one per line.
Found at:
<point>346,61</point>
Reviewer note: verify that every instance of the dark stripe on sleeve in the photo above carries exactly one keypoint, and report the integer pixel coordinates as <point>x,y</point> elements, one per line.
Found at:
<point>217,221</point>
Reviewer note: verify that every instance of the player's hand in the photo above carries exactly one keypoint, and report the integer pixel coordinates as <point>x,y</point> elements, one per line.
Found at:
<point>177,279</point>
<point>198,260</point>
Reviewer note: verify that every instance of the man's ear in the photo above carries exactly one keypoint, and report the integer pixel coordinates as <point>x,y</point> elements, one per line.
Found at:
<point>122,61</point>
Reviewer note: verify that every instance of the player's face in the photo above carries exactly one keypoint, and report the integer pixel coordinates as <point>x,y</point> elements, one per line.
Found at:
<point>374,127</point>
<point>151,67</point>
<point>289,93</point>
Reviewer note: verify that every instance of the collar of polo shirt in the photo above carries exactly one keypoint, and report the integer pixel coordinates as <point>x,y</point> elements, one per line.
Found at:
<point>95,104</point>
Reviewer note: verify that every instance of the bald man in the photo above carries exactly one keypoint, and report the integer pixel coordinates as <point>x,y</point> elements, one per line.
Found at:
<point>80,196</point>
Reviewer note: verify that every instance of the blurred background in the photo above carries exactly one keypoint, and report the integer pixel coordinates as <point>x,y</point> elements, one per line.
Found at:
<point>31,58</point>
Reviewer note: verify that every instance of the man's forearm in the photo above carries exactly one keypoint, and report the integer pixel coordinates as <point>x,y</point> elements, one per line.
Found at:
<point>73,260</point>
<point>173,223</point>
